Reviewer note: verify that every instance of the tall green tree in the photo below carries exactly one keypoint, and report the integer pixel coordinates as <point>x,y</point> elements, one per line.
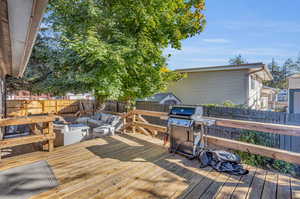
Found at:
<point>281,73</point>
<point>237,60</point>
<point>43,73</point>
<point>115,47</point>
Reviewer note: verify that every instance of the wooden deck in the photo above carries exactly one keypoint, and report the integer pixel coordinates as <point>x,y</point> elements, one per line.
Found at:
<point>137,166</point>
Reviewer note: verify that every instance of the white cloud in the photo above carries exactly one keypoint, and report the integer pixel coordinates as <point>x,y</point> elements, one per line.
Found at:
<point>217,40</point>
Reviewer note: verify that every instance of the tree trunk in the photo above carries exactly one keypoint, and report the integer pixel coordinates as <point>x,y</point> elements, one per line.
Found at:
<point>100,104</point>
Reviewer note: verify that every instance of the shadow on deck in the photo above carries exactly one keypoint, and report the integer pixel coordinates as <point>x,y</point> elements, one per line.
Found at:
<point>201,183</point>
<point>137,166</point>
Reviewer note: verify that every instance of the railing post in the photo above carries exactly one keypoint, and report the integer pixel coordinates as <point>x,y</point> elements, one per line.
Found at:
<point>125,123</point>
<point>51,133</point>
<point>134,120</point>
<point>45,132</point>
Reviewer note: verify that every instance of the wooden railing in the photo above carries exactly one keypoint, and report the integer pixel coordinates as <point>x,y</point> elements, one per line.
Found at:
<point>41,126</point>
<point>139,124</point>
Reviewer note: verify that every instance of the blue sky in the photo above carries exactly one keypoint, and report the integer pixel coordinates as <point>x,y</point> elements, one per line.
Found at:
<point>259,30</point>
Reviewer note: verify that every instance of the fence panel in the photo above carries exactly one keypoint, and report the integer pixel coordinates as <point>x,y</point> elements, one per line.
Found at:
<point>18,108</point>
<point>115,106</point>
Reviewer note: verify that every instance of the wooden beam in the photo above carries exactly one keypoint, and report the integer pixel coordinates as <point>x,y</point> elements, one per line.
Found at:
<point>134,120</point>
<point>141,119</point>
<point>258,126</point>
<point>125,126</point>
<point>151,126</point>
<point>278,154</point>
<point>142,130</point>
<point>150,113</point>
<point>25,140</point>
<point>26,120</point>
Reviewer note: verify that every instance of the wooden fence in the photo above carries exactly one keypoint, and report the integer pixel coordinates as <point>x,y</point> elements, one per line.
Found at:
<point>17,108</point>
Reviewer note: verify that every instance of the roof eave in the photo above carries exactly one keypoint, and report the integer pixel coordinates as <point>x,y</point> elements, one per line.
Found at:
<point>221,68</point>
<point>22,24</point>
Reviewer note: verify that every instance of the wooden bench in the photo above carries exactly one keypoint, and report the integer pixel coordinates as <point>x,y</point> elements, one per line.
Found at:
<point>46,133</point>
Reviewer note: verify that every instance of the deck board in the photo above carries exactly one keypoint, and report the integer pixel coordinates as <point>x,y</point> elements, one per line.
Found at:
<point>242,189</point>
<point>137,166</point>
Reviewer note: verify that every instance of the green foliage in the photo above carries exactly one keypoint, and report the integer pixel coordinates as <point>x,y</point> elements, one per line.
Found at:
<point>115,48</point>
<point>280,73</point>
<point>44,73</point>
<point>259,138</point>
<point>263,139</point>
<point>237,60</point>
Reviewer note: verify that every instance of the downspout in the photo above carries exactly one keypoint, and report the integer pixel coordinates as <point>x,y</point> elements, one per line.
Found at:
<point>248,74</point>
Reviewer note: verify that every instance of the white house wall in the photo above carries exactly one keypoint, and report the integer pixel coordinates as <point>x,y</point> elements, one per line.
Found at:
<point>212,87</point>
<point>254,98</point>
<point>294,83</point>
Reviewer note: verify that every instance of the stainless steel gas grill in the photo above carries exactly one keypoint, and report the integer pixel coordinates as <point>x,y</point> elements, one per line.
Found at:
<point>185,128</point>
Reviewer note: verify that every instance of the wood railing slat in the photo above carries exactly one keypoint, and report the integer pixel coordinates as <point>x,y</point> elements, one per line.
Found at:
<point>278,154</point>
<point>281,129</point>
<point>151,126</point>
<point>150,113</point>
<point>11,142</point>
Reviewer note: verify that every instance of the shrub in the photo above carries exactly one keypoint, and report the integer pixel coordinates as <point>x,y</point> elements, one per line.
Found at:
<point>263,139</point>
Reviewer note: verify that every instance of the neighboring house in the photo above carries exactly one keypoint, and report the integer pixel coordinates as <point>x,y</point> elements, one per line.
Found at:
<point>282,100</point>
<point>26,95</point>
<point>268,98</point>
<point>282,95</point>
<point>240,84</point>
<point>294,93</point>
<point>73,96</point>
<point>162,98</point>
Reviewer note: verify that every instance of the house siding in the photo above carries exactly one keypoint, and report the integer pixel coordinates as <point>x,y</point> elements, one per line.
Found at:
<point>294,95</point>
<point>213,87</point>
<point>294,83</point>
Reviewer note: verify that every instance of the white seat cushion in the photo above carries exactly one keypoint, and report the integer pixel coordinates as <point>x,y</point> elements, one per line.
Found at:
<point>103,130</point>
<point>82,120</point>
<point>105,117</point>
<point>96,122</point>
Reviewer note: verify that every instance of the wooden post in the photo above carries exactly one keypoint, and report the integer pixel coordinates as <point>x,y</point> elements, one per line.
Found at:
<point>34,129</point>
<point>56,107</point>
<point>124,124</point>
<point>26,107</point>
<point>44,132</point>
<point>51,141</point>
<point>134,120</point>
<point>43,107</point>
